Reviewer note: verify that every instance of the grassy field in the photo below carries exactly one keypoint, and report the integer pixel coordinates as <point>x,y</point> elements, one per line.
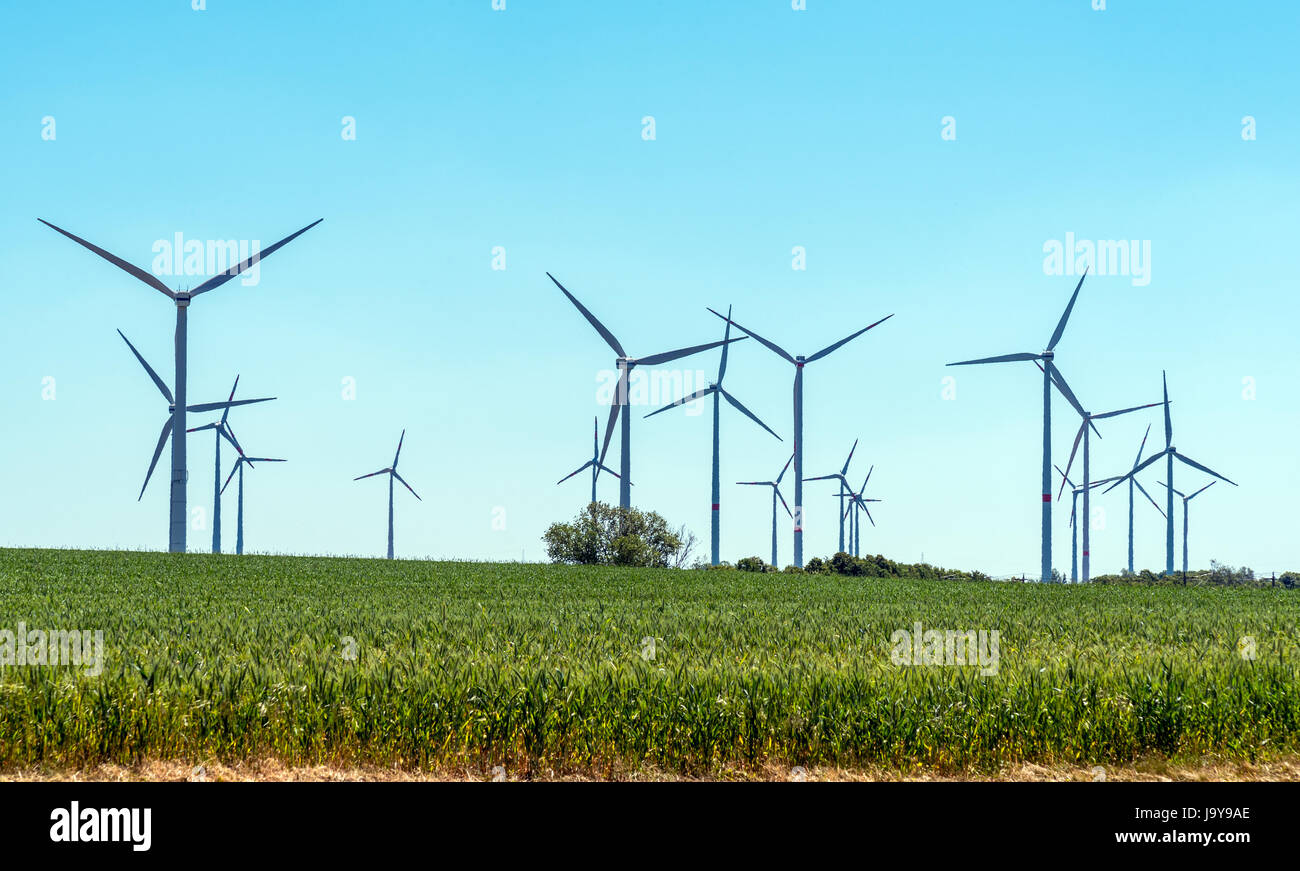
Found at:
<point>430,666</point>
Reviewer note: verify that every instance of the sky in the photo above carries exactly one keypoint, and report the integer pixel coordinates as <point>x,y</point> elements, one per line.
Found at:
<point>915,159</point>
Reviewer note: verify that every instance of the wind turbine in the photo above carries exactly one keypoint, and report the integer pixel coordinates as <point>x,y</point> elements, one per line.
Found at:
<point>799,362</point>
<point>1133,482</point>
<point>776,494</point>
<point>240,462</point>
<point>845,489</point>
<point>221,429</point>
<point>1187,499</point>
<point>594,463</point>
<point>717,390</point>
<point>1074,528</point>
<point>858,503</point>
<point>625,365</point>
<point>1085,425</point>
<point>1169,453</point>
<point>1050,375</point>
<point>168,426</point>
<point>177,519</point>
<point>391,471</point>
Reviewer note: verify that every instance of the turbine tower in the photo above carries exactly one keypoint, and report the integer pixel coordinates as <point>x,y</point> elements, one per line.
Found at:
<point>240,462</point>
<point>845,489</point>
<point>625,364</point>
<point>1133,482</point>
<point>594,463</point>
<point>1186,499</point>
<point>799,362</point>
<point>1075,490</point>
<point>177,519</point>
<point>776,494</point>
<point>1050,375</point>
<point>1169,453</point>
<point>221,429</point>
<point>1085,425</point>
<point>168,428</point>
<point>391,471</point>
<point>717,390</point>
<point>857,503</point>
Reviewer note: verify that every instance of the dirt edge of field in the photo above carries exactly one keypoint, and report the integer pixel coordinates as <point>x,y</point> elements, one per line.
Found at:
<point>1153,769</point>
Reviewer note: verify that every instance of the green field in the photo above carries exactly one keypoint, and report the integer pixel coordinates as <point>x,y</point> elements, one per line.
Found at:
<point>462,664</point>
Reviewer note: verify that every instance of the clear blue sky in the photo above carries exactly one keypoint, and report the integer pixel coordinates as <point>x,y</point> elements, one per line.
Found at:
<point>774,129</point>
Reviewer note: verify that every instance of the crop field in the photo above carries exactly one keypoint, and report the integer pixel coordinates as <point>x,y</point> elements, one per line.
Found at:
<point>428,665</point>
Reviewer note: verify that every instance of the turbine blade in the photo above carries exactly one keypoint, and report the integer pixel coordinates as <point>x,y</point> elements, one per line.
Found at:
<point>1060,327</point>
<point>372,474</point>
<point>157,452</point>
<point>213,406</point>
<point>609,470</point>
<point>845,470</point>
<point>869,517</point>
<point>166,391</point>
<point>1205,469</point>
<point>1133,474</point>
<point>147,278</point>
<point>1003,358</point>
<point>829,348</point>
<point>783,468</point>
<point>230,437</point>
<point>866,480</point>
<point>1064,477</point>
<point>218,280</point>
<point>613,415</point>
<point>586,465</point>
<point>772,346</point>
<point>726,334</point>
<point>406,485</point>
<point>1177,492</point>
<point>399,448</point>
<point>1169,424</point>
<point>251,460</point>
<point>1059,380</point>
<point>1202,490</point>
<point>202,428</point>
<point>591,319</point>
<point>782,498</point>
<point>233,470</point>
<point>699,394</point>
<point>1077,437</point>
<point>1142,446</point>
<point>1148,495</point>
<point>1125,410</point>
<point>667,356</point>
<point>226,413</point>
<point>745,411</point>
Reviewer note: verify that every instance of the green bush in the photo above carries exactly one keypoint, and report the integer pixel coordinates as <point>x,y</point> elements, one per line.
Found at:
<point>604,535</point>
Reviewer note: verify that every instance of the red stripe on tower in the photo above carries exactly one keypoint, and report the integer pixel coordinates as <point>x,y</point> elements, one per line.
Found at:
<point>715,506</point>
<point>1047,497</point>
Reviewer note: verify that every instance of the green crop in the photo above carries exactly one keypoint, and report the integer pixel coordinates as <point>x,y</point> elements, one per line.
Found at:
<point>234,658</point>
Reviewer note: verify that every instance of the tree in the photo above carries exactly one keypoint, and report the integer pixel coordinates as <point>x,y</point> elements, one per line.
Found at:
<point>604,535</point>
